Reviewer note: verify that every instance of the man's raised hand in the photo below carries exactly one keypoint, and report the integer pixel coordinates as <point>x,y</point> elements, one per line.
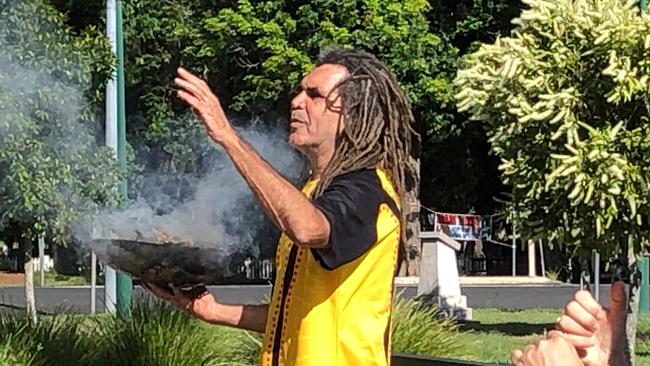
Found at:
<point>196,92</point>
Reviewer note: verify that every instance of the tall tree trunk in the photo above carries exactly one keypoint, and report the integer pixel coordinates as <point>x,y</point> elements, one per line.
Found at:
<point>412,215</point>
<point>30,299</point>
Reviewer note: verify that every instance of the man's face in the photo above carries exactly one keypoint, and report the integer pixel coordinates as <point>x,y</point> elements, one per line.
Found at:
<point>314,124</point>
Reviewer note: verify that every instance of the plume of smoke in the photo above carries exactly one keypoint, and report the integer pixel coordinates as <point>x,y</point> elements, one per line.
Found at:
<point>218,209</point>
<point>221,210</point>
<point>41,103</point>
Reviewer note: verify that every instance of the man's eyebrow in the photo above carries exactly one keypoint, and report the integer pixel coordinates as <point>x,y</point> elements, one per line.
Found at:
<point>309,89</point>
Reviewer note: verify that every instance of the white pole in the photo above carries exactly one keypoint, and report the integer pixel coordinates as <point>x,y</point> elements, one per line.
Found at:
<point>541,257</point>
<point>110,289</point>
<point>93,281</point>
<point>532,271</point>
<point>41,257</point>
<point>514,245</point>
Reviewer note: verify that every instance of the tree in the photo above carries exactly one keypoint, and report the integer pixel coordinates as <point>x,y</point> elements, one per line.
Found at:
<point>458,173</point>
<point>51,168</point>
<point>256,53</point>
<point>565,104</point>
<point>253,53</point>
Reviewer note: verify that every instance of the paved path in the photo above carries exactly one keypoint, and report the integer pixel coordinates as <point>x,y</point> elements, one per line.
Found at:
<point>77,299</point>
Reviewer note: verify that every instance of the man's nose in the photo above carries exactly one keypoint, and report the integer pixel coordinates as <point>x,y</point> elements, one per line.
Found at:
<point>298,102</point>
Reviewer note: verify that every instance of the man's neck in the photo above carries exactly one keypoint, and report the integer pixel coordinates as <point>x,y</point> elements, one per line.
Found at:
<point>318,161</point>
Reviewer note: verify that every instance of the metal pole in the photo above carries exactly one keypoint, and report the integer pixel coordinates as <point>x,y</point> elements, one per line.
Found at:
<point>110,288</point>
<point>93,281</point>
<point>41,257</point>
<point>124,282</point>
<point>514,245</point>
<point>541,257</point>
<point>596,256</point>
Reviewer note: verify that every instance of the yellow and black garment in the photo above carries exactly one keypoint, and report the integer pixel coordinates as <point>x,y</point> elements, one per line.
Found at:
<point>332,306</point>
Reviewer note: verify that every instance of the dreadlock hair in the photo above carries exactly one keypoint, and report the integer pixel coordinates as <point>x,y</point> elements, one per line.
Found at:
<point>378,123</point>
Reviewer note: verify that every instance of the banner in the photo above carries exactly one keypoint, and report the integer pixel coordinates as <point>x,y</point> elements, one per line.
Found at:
<point>464,227</point>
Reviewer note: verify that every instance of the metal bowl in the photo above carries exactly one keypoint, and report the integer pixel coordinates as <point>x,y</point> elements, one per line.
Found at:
<point>178,264</point>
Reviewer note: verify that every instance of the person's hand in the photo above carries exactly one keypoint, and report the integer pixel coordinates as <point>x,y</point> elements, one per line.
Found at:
<point>598,333</point>
<point>196,92</point>
<point>552,351</point>
<point>197,302</point>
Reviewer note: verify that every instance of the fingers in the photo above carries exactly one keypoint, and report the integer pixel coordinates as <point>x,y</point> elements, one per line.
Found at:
<point>190,99</point>
<point>190,88</point>
<point>556,345</point>
<point>196,93</point>
<point>183,73</point>
<point>568,325</point>
<point>195,85</point>
<point>575,340</point>
<point>587,301</point>
<point>531,355</point>
<point>515,356</point>
<point>579,342</point>
<point>581,315</point>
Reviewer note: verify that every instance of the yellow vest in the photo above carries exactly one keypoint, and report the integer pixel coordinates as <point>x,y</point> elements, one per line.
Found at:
<point>323,317</point>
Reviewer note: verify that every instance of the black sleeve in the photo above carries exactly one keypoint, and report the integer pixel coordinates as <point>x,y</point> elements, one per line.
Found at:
<point>351,205</point>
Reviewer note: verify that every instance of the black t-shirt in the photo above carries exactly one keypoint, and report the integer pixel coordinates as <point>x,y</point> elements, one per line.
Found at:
<point>351,205</point>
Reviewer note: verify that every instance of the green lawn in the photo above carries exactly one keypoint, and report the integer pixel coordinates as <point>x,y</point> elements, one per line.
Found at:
<point>493,333</point>
<point>160,336</point>
<point>55,279</point>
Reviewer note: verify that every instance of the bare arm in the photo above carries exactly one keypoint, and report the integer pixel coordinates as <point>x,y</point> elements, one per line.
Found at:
<point>249,317</point>
<point>289,209</point>
<point>204,306</point>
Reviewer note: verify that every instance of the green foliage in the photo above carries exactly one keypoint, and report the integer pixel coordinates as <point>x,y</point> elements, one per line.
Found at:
<point>417,329</point>
<point>156,335</point>
<point>564,101</point>
<point>50,83</point>
<point>161,336</point>
<point>59,340</point>
<point>160,36</point>
<point>15,350</point>
<point>466,22</point>
<point>269,46</point>
<point>255,53</point>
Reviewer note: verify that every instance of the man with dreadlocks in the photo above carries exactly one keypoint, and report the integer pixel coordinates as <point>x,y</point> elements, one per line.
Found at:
<point>341,234</point>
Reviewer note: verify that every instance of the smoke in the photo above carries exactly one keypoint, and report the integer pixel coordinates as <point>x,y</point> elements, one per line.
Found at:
<point>42,96</point>
<point>217,210</point>
<point>46,129</point>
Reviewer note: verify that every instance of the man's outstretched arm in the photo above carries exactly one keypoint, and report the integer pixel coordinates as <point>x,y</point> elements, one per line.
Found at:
<point>205,306</point>
<point>290,210</point>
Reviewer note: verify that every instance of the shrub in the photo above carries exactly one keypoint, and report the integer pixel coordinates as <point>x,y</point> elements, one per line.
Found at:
<point>418,329</point>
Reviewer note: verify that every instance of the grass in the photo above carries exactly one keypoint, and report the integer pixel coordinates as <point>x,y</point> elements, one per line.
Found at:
<point>643,340</point>
<point>160,336</point>
<point>55,279</point>
<point>155,336</point>
<point>494,333</point>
